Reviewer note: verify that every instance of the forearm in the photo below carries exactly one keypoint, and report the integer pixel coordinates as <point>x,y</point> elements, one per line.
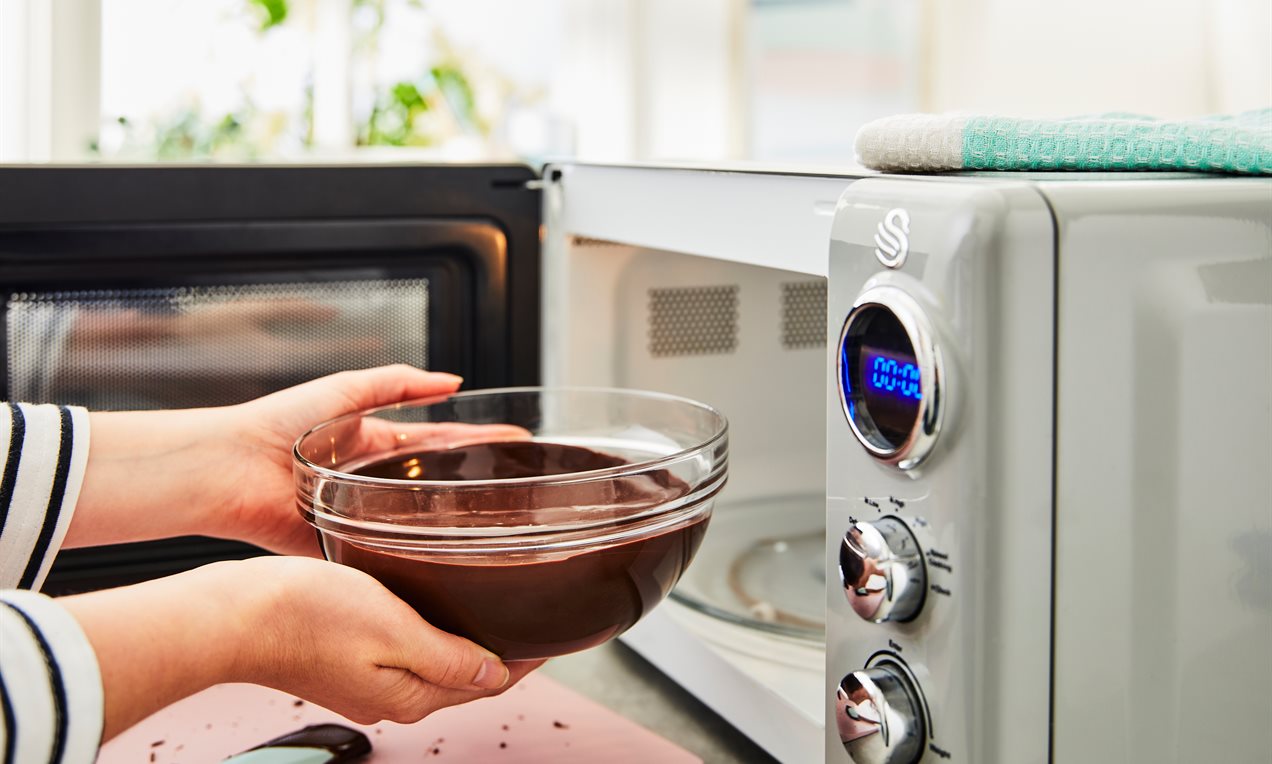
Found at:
<point>324,632</point>
<point>152,474</point>
<point>162,640</point>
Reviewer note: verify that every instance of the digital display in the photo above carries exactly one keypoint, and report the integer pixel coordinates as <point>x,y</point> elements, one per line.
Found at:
<point>882,383</point>
<point>891,375</point>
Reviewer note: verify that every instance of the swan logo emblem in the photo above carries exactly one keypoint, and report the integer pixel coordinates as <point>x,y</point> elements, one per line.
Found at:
<point>892,240</point>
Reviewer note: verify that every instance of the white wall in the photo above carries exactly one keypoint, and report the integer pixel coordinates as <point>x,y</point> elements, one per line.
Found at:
<point>689,79</point>
<point>1167,58</point>
<point>673,79</point>
<point>820,70</point>
<point>49,55</point>
<point>653,79</point>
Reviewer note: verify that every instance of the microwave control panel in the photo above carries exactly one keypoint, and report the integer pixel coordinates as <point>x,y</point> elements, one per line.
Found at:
<point>939,472</point>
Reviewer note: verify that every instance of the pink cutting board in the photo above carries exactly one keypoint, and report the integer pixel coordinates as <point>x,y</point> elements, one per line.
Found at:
<point>539,720</point>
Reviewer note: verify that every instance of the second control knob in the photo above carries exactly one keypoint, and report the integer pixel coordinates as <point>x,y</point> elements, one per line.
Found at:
<point>878,715</point>
<point>882,570</point>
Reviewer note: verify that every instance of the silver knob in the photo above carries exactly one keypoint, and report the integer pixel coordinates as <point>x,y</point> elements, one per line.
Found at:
<point>882,571</point>
<point>878,715</point>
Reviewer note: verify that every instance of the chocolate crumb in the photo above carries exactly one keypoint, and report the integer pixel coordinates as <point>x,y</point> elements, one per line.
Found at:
<point>379,731</point>
<point>298,703</point>
<point>157,743</point>
<point>561,725</point>
<point>504,727</point>
<point>152,755</point>
<point>437,751</point>
<point>503,745</point>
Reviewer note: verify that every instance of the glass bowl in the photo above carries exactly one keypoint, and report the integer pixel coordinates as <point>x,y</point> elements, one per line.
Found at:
<point>533,521</point>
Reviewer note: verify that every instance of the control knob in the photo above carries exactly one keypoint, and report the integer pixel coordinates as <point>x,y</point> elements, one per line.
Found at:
<point>878,715</point>
<point>882,570</point>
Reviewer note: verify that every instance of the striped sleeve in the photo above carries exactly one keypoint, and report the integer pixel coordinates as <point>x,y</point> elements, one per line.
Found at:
<point>50,686</point>
<point>44,450</point>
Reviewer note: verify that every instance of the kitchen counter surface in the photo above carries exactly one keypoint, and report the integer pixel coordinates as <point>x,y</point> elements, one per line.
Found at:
<point>617,677</point>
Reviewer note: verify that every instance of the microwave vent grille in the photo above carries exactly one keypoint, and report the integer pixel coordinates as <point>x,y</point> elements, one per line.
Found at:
<point>804,315</point>
<point>206,345</point>
<point>686,321</point>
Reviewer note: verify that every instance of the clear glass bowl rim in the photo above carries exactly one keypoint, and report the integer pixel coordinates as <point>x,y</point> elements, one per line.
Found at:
<point>562,479</point>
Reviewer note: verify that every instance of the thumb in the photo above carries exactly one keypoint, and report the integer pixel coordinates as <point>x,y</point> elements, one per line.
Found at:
<point>392,384</point>
<point>447,660</point>
<point>297,408</point>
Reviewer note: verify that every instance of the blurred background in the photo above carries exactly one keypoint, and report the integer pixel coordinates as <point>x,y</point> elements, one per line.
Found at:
<point>612,80</point>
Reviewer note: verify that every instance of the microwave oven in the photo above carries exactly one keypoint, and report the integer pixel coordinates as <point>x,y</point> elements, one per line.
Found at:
<point>999,486</point>
<point>135,287</point>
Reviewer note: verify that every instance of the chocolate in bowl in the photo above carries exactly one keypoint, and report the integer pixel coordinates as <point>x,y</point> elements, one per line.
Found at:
<point>531,547</point>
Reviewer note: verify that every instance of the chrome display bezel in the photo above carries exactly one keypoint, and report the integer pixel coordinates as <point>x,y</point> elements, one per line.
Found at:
<point>927,353</point>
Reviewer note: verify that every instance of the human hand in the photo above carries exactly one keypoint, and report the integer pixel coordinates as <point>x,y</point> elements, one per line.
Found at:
<point>337,637</point>
<point>259,436</point>
<point>324,632</point>
<point>227,472</point>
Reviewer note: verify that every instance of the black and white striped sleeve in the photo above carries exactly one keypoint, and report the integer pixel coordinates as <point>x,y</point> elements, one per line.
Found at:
<point>44,452</point>
<point>50,685</point>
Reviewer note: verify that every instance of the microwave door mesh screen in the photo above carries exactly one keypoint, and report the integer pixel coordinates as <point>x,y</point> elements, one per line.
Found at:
<point>206,346</point>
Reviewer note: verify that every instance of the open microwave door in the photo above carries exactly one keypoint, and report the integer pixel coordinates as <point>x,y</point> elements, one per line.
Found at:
<point>709,283</point>
<point>159,287</point>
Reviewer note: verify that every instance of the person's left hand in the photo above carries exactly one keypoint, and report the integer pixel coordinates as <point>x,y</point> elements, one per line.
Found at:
<point>225,472</point>
<point>263,509</point>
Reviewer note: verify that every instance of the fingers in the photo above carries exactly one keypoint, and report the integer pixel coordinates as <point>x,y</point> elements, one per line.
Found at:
<point>385,436</point>
<point>334,635</point>
<point>519,669</point>
<point>384,385</point>
<point>410,698</point>
<point>288,413</point>
<point>446,660</point>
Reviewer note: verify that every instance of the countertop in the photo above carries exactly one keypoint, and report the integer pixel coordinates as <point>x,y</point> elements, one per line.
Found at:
<point>615,676</point>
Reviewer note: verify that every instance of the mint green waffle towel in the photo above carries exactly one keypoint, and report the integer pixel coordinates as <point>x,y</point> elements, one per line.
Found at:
<point>931,142</point>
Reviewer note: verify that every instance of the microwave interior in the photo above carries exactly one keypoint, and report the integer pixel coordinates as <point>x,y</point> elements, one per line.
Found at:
<point>161,288</point>
<point>750,341</point>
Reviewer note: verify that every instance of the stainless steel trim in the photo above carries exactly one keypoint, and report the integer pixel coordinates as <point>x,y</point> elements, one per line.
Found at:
<point>927,354</point>
<point>878,715</point>
<point>882,571</point>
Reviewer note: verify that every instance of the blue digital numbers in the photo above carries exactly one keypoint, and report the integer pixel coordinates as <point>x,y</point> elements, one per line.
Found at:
<point>890,376</point>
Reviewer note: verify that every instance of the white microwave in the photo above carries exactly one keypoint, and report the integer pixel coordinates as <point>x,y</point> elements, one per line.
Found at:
<point>1000,444</point>
<point>1035,409</point>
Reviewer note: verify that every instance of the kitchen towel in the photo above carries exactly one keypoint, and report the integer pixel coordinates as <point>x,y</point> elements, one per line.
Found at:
<point>1239,143</point>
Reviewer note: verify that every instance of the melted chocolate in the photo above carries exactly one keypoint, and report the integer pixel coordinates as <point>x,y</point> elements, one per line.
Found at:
<point>536,608</point>
<point>492,461</point>
<point>344,744</point>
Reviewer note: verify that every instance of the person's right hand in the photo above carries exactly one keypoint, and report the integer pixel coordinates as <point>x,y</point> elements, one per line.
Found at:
<point>324,632</point>
<point>334,635</point>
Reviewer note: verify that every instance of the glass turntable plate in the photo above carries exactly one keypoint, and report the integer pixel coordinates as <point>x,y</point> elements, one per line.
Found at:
<point>762,566</point>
